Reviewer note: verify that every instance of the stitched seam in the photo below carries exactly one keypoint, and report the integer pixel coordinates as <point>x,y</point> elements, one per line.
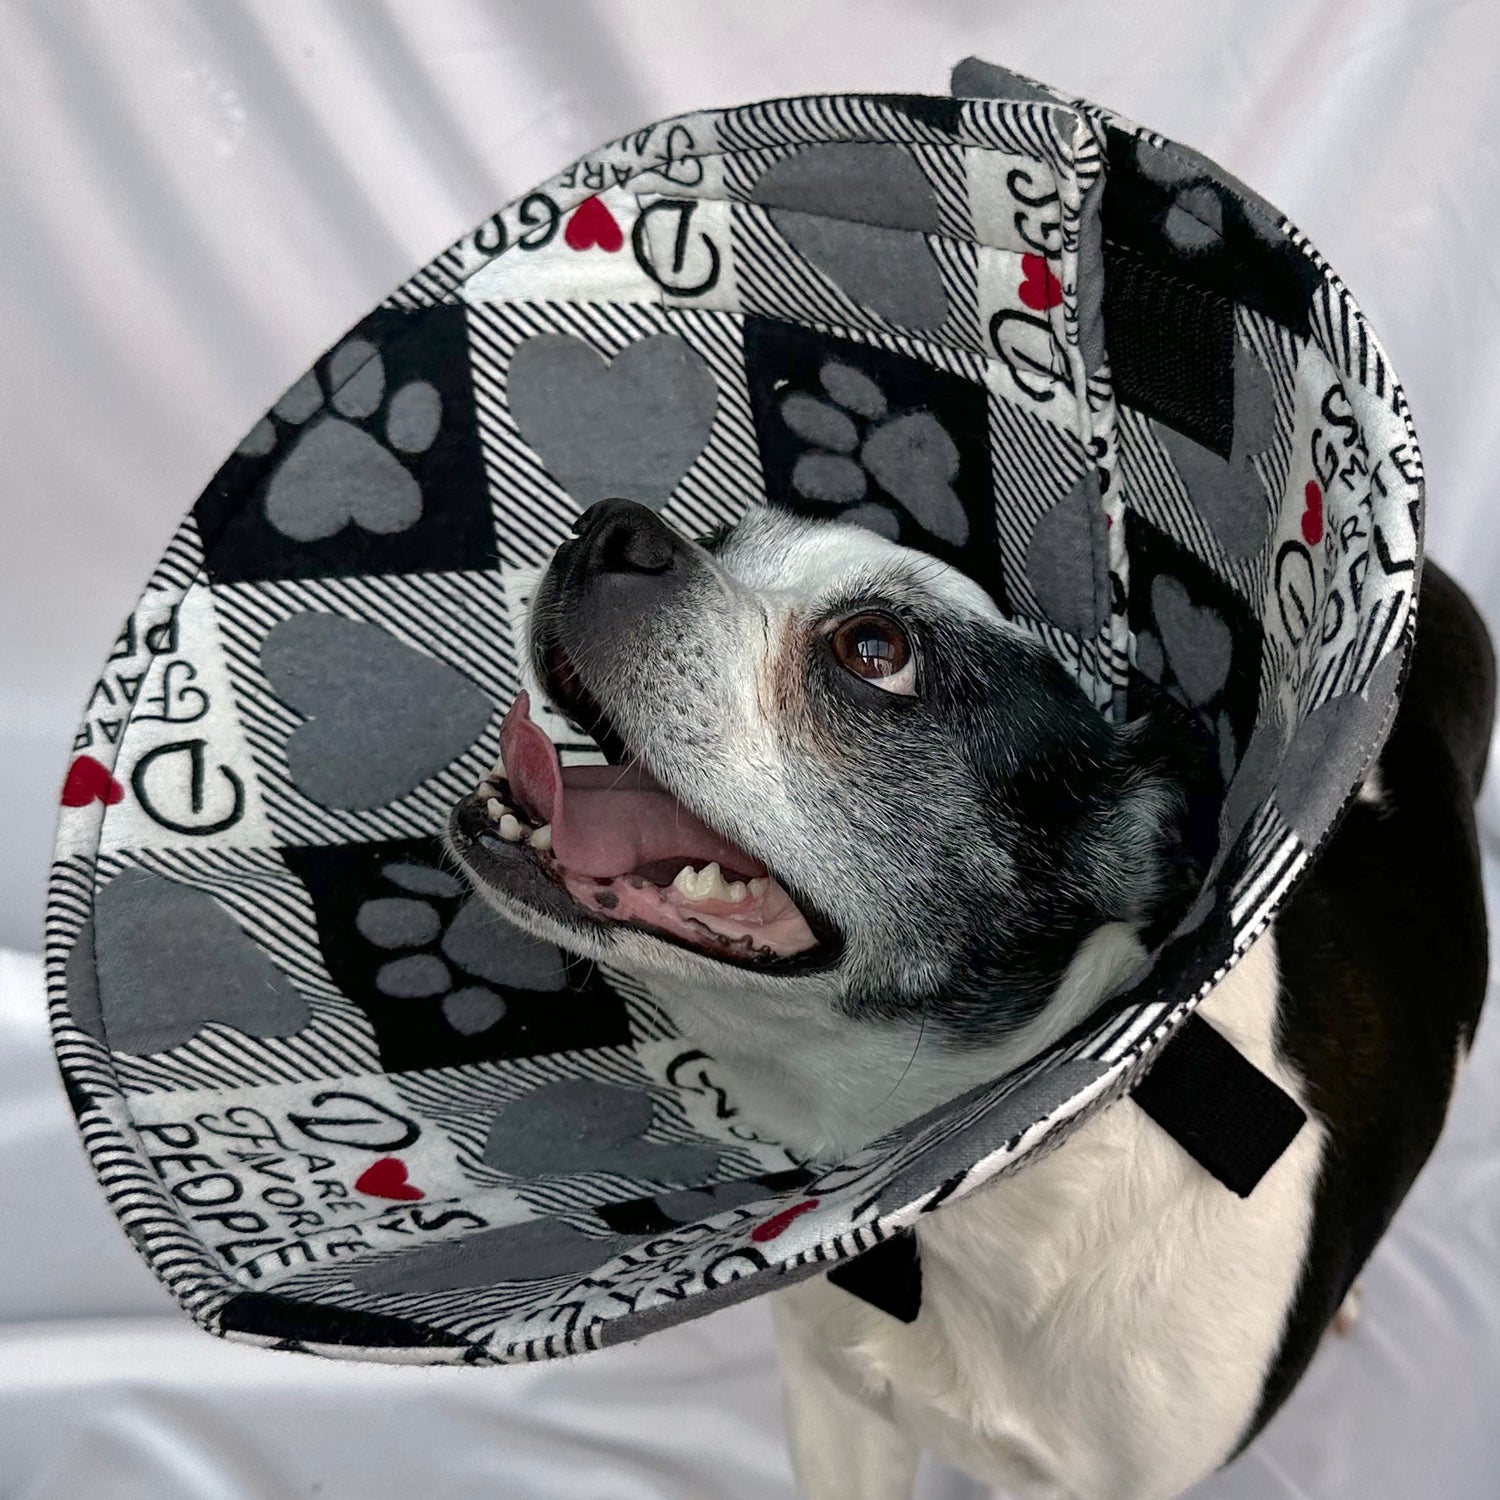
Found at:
<point>1153,269</point>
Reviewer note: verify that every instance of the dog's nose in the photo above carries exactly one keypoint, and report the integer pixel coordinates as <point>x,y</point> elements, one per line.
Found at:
<point>620,536</point>
<point>625,565</point>
<point>621,572</point>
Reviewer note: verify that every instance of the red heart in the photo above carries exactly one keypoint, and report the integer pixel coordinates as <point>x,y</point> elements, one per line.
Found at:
<point>1040,289</point>
<point>88,780</point>
<point>778,1222</point>
<point>386,1178</point>
<point>1312,517</point>
<point>593,224</point>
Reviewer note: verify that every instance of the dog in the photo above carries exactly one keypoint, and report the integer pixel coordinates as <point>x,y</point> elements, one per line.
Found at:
<point>869,845</point>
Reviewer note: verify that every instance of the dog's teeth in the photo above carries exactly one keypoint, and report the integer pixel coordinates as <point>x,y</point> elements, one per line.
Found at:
<point>542,838</point>
<point>706,884</point>
<point>510,829</point>
<point>497,771</point>
<point>736,891</point>
<point>758,888</point>
<point>496,809</point>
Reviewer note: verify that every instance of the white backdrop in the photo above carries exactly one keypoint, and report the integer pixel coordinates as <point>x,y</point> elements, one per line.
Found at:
<point>196,199</point>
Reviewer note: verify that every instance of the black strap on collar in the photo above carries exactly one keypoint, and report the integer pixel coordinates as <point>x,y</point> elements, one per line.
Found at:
<point>888,1277</point>
<point>1217,1105</point>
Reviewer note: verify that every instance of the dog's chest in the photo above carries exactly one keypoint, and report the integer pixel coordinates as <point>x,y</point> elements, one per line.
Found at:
<point>1103,1320</point>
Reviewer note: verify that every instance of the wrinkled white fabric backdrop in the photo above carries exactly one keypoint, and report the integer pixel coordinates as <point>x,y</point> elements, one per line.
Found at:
<point>195,200</point>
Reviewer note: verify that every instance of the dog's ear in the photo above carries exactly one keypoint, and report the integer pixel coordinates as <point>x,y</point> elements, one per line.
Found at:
<point>1171,782</point>
<point>1105,822</point>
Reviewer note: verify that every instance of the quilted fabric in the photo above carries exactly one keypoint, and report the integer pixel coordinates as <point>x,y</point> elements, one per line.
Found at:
<point>334,1104</point>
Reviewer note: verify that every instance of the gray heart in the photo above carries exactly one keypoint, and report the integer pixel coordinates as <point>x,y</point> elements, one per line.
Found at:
<point>160,960</point>
<point>586,1126</point>
<point>1066,560</point>
<point>1328,751</point>
<point>890,271</point>
<point>688,1205</point>
<point>381,717</point>
<point>537,1250</point>
<point>1252,779</point>
<point>859,212</point>
<point>1228,493</point>
<point>1148,657</point>
<point>863,182</point>
<point>1196,641</point>
<point>974,78</point>
<point>630,427</point>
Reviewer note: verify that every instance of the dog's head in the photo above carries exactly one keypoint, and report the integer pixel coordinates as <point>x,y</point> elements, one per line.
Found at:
<point>839,775</point>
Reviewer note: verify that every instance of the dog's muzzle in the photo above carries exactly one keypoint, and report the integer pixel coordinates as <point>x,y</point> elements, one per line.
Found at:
<point>613,837</point>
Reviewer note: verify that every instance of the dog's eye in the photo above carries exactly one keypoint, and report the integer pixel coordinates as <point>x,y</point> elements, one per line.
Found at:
<point>875,647</point>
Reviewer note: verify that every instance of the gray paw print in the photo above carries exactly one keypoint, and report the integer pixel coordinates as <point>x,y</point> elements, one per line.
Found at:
<point>337,472</point>
<point>854,437</point>
<point>457,967</point>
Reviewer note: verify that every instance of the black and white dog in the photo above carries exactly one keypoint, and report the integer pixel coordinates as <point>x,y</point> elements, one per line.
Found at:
<point>869,845</point>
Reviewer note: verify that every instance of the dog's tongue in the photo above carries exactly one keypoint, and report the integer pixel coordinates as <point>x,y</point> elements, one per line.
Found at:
<point>606,820</point>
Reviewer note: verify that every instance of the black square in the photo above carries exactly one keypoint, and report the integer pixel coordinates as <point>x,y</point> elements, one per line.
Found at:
<point>423,490</point>
<point>1182,249</point>
<point>784,361</point>
<point>418,1030</point>
<point>1240,255</point>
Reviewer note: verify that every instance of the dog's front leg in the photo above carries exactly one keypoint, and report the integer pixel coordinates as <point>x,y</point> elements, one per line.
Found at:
<point>844,1444</point>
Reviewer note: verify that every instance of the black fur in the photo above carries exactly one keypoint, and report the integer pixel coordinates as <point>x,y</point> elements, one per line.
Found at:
<point>1010,756</point>
<point>1384,961</point>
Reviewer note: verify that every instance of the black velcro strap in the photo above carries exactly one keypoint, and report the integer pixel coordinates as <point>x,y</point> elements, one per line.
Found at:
<point>888,1277</point>
<point>1221,1109</point>
<point>1171,347</point>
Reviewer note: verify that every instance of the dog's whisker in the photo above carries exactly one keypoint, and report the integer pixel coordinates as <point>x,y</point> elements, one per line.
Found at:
<point>916,1047</point>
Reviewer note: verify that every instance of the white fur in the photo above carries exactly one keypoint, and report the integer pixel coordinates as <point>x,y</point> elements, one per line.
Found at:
<point>1096,1327</point>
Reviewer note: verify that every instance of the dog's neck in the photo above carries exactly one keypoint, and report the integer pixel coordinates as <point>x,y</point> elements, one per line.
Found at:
<point>807,1079</point>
